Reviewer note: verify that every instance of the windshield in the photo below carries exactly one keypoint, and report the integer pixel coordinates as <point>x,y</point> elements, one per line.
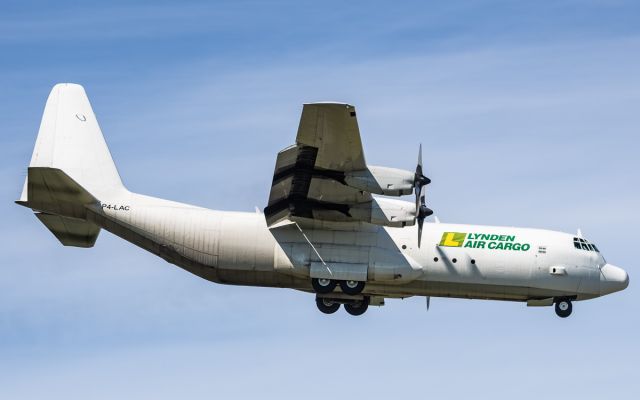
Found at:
<point>583,244</point>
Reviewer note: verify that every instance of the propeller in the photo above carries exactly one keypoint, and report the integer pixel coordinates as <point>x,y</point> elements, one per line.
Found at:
<point>419,182</point>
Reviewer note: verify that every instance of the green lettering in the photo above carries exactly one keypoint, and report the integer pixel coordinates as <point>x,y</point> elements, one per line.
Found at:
<point>492,245</point>
<point>494,237</point>
<point>511,238</point>
<point>502,238</point>
<point>469,243</point>
<point>526,247</point>
<point>516,246</point>
<point>507,246</point>
<point>480,244</point>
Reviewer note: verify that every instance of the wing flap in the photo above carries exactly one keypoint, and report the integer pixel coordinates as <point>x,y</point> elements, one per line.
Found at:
<point>300,189</point>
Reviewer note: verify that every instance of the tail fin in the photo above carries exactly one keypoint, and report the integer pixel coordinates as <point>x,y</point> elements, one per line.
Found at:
<point>70,168</point>
<point>70,139</point>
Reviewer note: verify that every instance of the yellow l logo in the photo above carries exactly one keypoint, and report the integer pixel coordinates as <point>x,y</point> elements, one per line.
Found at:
<point>452,239</point>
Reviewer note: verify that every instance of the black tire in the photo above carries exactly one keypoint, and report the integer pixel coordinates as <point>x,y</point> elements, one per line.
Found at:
<point>327,306</point>
<point>351,287</point>
<point>563,308</point>
<point>323,286</point>
<point>357,307</point>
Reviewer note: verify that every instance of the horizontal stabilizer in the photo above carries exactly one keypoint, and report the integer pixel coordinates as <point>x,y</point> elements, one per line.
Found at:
<point>52,191</point>
<point>70,231</point>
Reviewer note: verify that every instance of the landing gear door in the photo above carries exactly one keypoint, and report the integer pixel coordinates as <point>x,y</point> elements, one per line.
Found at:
<point>339,271</point>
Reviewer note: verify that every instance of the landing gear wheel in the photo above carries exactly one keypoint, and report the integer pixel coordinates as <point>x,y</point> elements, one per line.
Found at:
<point>563,308</point>
<point>327,306</point>
<point>323,286</point>
<point>357,307</point>
<point>351,287</point>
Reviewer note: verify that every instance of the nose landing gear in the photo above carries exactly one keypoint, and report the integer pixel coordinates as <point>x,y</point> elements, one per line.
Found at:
<point>563,308</point>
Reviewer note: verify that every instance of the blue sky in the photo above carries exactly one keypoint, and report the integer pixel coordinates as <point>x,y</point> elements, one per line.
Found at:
<point>528,115</point>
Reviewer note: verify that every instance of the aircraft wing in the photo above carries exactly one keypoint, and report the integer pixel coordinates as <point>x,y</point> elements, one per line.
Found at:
<point>309,177</point>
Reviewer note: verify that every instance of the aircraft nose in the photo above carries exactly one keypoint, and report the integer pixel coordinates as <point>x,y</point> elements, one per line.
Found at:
<point>613,279</point>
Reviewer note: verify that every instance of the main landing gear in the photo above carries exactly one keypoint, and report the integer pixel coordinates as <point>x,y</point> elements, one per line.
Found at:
<point>563,308</point>
<point>357,307</point>
<point>329,305</point>
<point>324,286</point>
<point>353,307</point>
<point>351,287</point>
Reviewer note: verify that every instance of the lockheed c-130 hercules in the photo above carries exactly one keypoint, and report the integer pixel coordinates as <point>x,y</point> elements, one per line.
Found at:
<point>323,231</point>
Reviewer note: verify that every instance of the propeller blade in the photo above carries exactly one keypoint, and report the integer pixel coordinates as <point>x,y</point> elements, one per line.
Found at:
<point>419,166</point>
<point>420,196</point>
<point>417,186</point>
<point>420,181</point>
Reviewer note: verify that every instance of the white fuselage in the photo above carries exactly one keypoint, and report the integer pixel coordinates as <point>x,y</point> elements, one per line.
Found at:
<point>238,248</point>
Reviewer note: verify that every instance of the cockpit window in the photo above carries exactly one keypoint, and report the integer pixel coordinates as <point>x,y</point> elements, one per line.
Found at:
<point>582,244</point>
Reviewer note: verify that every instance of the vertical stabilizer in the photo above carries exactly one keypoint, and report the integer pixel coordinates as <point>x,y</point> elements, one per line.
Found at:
<point>70,139</point>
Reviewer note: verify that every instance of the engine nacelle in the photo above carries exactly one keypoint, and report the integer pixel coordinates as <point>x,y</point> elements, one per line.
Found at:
<point>385,212</point>
<point>382,180</point>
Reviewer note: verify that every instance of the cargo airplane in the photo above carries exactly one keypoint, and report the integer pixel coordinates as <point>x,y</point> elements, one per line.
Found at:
<point>323,231</point>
